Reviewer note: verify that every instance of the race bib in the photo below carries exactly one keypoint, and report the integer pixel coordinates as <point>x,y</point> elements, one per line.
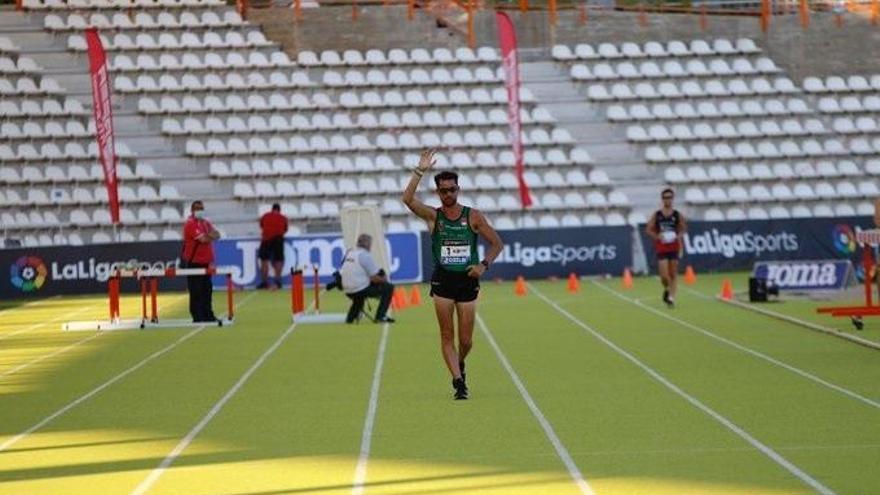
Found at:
<point>455,255</point>
<point>668,237</point>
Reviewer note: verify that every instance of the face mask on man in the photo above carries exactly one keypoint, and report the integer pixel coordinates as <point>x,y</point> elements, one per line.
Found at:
<point>199,214</point>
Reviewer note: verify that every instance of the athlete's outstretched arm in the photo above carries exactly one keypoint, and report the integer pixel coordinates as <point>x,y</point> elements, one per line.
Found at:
<point>481,227</point>
<point>422,210</point>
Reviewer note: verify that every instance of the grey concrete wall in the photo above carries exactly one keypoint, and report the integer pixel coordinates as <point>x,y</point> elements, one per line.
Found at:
<point>823,49</point>
<point>332,28</point>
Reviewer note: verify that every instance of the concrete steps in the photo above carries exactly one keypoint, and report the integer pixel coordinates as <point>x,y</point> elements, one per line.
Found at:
<point>141,134</point>
<point>606,142</point>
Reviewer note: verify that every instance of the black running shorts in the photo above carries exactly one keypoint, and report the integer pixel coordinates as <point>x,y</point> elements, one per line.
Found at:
<point>668,256</point>
<point>457,286</point>
<point>272,249</point>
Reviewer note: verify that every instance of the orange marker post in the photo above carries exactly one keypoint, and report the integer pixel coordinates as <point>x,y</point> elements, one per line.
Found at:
<point>415,296</point>
<point>727,290</point>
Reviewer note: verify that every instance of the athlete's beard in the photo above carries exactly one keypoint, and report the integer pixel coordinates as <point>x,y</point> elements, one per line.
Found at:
<point>449,201</point>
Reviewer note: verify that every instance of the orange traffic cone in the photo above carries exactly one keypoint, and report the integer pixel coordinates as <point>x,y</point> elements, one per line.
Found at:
<point>690,278</point>
<point>573,283</point>
<point>520,287</point>
<point>415,297</point>
<point>400,295</point>
<point>727,290</point>
<point>627,279</point>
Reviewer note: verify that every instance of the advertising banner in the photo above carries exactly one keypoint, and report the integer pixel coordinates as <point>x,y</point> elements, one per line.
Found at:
<point>737,245</point>
<point>40,272</point>
<point>324,251</point>
<point>101,91</point>
<point>801,276</point>
<point>533,253</point>
<point>510,62</point>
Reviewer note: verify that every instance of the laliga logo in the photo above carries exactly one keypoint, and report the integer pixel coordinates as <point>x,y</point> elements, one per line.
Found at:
<point>844,239</point>
<point>28,273</point>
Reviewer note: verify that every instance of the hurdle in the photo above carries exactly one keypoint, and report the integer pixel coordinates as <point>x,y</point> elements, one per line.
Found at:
<point>866,240</point>
<point>298,299</point>
<point>148,281</point>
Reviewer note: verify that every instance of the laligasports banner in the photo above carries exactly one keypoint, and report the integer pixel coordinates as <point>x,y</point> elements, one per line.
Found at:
<point>538,253</point>
<point>40,272</point>
<point>322,251</point>
<point>818,275</point>
<point>737,245</point>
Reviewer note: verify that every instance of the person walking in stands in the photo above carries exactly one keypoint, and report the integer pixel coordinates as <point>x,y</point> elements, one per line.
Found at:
<point>273,226</point>
<point>665,228</point>
<point>198,252</point>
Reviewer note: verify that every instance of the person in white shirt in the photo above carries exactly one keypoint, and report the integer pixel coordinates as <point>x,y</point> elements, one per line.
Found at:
<point>362,278</point>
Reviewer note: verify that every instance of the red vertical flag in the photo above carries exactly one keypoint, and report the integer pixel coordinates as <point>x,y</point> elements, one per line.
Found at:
<point>103,117</point>
<point>507,40</point>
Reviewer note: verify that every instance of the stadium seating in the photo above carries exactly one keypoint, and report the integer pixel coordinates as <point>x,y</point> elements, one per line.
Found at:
<point>48,165</point>
<point>727,125</point>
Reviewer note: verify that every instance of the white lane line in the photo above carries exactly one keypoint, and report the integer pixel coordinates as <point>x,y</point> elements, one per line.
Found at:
<point>48,419</point>
<point>35,326</point>
<point>163,466</point>
<point>766,450</point>
<point>791,319</point>
<point>758,354</point>
<point>47,356</point>
<point>561,451</point>
<point>63,349</point>
<point>27,305</point>
<point>360,472</point>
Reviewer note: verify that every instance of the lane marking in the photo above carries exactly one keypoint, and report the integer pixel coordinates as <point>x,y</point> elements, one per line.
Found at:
<point>88,395</point>
<point>163,466</point>
<point>561,451</point>
<point>758,354</point>
<point>360,472</point>
<point>766,450</point>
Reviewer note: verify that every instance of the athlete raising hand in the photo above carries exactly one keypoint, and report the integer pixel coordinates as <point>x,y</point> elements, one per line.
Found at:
<point>455,282</point>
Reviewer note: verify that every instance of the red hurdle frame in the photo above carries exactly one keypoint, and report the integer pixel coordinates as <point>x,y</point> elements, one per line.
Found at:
<point>298,290</point>
<point>866,239</point>
<point>149,286</point>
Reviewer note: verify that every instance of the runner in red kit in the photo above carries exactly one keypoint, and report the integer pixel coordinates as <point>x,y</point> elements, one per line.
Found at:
<point>666,227</point>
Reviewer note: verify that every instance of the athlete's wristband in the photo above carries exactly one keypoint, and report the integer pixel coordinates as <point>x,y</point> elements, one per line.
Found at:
<point>418,172</point>
<point>485,264</point>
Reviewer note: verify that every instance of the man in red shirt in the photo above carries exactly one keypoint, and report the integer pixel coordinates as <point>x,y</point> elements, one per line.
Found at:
<point>198,252</point>
<point>273,225</point>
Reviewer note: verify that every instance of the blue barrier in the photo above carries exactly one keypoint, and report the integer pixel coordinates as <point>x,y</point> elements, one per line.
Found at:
<point>737,245</point>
